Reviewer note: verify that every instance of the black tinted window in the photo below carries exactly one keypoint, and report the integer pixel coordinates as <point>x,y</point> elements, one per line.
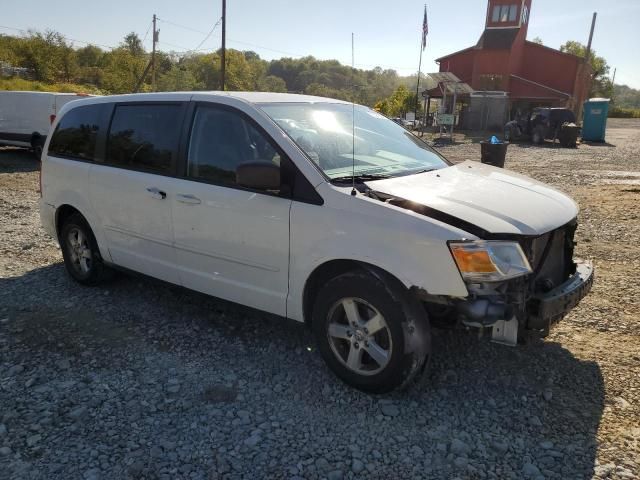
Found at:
<point>144,137</point>
<point>220,141</point>
<point>76,132</point>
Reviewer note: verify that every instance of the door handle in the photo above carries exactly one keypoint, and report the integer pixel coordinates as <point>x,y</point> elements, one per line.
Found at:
<point>189,199</point>
<point>157,193</point>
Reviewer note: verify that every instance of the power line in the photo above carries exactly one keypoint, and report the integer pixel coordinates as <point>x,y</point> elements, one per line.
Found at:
<point>208,34</point>
<point>22,30</point>
<point>181,26</point>
<point>185,50</point>
<point>147,32</point>
<point>182,49</point>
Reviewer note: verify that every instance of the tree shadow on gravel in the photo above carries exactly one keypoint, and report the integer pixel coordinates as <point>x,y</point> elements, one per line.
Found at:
<point>526,412</point>
<point>14,159</point>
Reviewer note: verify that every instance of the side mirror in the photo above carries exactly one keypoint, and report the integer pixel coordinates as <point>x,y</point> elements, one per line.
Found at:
<point>259,175</point>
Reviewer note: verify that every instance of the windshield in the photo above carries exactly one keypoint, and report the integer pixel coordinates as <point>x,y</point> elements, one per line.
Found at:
<point>382,148</point>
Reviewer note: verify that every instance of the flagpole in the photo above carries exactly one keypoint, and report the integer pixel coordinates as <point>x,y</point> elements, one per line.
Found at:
<point>415,112</point>
<point>422,46</point>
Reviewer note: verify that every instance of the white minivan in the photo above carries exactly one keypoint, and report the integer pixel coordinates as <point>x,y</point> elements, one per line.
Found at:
<point>25,117</point>
<point>313,209</point>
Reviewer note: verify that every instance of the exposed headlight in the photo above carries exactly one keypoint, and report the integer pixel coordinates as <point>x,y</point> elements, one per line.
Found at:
<point>489,261</point>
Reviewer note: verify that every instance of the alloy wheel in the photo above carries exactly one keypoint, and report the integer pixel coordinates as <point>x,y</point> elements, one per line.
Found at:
<point>79,251</point>
<point>359,336</point>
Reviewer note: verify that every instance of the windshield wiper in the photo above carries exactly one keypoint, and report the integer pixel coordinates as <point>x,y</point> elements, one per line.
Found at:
<point>415,172</point>
<point>361,177</point>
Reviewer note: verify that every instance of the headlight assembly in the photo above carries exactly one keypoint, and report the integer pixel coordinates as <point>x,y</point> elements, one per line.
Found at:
<point>489,261</point>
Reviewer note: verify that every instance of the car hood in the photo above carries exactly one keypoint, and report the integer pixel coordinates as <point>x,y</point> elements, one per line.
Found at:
<point>493,199</point>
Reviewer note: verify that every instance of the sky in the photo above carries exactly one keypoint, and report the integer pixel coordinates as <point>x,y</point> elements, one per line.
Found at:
<point>387,34</point>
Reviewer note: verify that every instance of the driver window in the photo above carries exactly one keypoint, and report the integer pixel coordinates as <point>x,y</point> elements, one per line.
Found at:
<point>220,141</point>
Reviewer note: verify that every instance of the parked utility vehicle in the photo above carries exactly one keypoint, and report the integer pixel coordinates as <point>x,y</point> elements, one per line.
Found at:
<point>25,117</point>
<point>543,124</point>
<point>288,204</point>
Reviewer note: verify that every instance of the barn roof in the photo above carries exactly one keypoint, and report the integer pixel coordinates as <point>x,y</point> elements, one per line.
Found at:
<point>498,39</point>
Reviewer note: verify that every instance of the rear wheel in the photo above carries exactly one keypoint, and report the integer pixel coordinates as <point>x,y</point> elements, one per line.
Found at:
<point>37,143</point>
<point>80,251</point>
<point>538,136</point>
<point>369,332</point>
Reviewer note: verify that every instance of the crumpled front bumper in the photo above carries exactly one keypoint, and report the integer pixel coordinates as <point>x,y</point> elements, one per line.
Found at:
<point>545,309</point>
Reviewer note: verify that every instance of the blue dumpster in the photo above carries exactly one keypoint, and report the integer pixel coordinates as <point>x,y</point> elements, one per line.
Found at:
<point>595,119</point>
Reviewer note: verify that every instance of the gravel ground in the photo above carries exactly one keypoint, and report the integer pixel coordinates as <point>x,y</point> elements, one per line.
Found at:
<point>138,379</point>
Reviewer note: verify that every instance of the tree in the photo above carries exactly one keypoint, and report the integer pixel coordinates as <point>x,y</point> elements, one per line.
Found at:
<point>238,72</point>
<point>271,83</point>
<point>122,70</point>
<point>89,56</point>
<point>50,60</point>
<point>538,40</point>
<point>600,84</point>
<point>41,53</point>
<point>178,78</point>
<point>133,44</point>
<point>627,97</point>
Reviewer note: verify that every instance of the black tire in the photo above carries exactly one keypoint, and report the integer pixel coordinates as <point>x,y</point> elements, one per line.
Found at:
<point>407,326</point>
<point>94,271</point>
<point>37,143</point>
<point>508,134</point>
<point>538,136</point>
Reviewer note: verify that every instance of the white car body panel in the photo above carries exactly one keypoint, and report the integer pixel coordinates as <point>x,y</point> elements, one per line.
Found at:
<point>260,250</point>
<point>66,182</point>
<point>234,244</point>
<point>136,224</point>
<point>492,198</point>
<point>409,246</point>
<point>24,113</point>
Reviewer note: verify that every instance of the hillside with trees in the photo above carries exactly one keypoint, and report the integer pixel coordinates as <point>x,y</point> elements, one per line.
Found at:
<point>52,63</point>
<point>47,61</point>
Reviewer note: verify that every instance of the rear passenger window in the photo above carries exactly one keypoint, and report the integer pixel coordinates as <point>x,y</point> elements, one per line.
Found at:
<point>76,132</point>
<point>144,137</point>
<point>220,141</point>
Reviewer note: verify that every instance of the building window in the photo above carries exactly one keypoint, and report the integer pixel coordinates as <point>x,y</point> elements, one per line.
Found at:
<point>504,13</point>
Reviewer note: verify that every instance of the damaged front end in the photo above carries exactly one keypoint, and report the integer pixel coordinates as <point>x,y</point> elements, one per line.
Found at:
<point>516,283</point>
<point>531,302</point>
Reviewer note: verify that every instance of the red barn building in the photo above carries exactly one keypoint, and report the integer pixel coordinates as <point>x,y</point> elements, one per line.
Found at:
<point>504,65</point>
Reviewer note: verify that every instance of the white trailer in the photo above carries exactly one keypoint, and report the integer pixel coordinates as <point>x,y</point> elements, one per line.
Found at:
<point>25,117</point>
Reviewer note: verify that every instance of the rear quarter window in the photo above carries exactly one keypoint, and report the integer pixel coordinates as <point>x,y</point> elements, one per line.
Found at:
<point>145,137</point>
<point>76,133</point>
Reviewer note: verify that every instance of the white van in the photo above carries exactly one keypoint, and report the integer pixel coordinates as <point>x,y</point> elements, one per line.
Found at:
<point>269,200</point>
<point>25,117</point>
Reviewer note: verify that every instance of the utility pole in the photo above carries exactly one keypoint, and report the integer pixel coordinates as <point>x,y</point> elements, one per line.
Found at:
<point>586,69</point>
<point>153,55</point>
<point>613,85</point>
<point>613,80</point>
<point>223,57</point>
<point>593,26</point>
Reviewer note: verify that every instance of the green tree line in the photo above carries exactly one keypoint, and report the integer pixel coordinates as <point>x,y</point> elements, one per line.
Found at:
<point>52,60</point>
<point>54,64</point>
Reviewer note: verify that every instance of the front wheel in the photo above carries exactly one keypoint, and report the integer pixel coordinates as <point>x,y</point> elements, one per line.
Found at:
<point>369,333</point>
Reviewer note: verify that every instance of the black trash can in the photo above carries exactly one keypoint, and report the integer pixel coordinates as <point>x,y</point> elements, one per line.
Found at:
<point>569,135</point>
<point>493,153</point>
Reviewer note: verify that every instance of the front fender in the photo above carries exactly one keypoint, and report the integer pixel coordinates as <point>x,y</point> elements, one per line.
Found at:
<point>409,246</point>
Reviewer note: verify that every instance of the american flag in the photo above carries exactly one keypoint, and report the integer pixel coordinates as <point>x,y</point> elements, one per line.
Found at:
<point>425,29</point>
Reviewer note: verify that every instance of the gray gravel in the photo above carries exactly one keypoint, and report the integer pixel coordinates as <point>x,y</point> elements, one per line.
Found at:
<point>138,379</point>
